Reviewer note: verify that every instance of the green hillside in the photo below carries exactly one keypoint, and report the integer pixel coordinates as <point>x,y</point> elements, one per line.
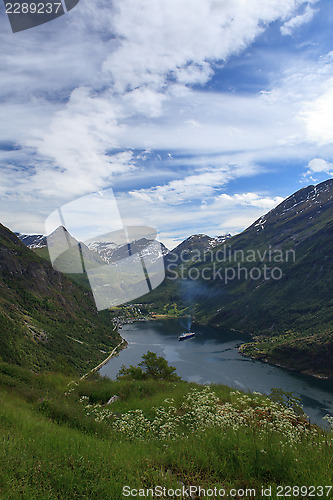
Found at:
<point>46,320</point>
<point>61,440</point>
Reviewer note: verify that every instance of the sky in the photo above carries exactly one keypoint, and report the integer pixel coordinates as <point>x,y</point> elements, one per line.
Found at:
<point>201,115</point>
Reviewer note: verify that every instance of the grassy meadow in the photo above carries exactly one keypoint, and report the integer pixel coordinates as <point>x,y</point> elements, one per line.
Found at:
<point>60,440</point>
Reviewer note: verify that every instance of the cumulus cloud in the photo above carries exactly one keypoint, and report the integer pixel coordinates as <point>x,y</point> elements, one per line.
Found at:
<point>250,199</point>
<point>143,47</point>
<point>319,165</point>
<point>144,101</point>
<point>316,168</point>
<point>306,89</point>
<point>79,141</point>
<point>182,190</point>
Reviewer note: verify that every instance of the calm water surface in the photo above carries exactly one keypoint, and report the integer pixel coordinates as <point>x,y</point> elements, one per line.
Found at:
<point>212,356</point>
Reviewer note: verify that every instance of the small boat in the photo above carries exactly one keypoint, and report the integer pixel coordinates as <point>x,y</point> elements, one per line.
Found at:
<point>186,335</point>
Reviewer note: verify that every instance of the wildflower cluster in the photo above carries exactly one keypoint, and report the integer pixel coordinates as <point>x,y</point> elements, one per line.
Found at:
<point>266,416</point>
<point>99,412</point>
<point>166,422</point>
<point>133,425</point>
<point>201,409</point>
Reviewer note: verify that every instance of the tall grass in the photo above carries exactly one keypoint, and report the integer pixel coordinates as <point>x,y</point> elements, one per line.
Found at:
<point>54,447</point>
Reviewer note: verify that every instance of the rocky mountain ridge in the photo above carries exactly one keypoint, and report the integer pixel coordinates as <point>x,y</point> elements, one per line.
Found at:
<point>110,251</point>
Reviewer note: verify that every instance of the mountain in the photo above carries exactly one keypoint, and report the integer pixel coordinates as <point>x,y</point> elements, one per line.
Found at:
<point>110,251</point>
<point>96,251</point>
<point>199,243</point>
<point>288,310</point>
<point>70,260</point>
<point>192,248</point>
<point>66,261</point>
<point>32,240</point>
<point>296,218</point>
<point>46,320</point>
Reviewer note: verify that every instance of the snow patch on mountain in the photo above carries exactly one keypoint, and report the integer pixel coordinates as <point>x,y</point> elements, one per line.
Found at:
<point>32,240</point>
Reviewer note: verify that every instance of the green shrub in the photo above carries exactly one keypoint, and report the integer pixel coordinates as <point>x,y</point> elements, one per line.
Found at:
<point>154,366</point>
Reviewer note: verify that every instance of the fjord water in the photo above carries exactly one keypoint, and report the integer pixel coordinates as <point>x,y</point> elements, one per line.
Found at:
<point>212,357</point>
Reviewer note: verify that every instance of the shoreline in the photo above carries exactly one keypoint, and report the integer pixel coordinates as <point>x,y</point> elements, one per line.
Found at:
<point>285,367</point>
<point>166,316</point>
<point>111,355</point>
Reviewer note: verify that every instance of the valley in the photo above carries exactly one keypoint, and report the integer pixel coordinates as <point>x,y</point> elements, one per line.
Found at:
<point>290,318</point>
<point>272,281</point>
<point>79,414</point>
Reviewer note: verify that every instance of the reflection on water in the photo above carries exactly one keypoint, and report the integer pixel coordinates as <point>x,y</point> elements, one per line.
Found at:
<point>212,357</point>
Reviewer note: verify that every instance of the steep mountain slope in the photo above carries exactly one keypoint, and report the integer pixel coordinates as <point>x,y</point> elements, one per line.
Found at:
<point>297,238</point>
<point>301,302</point>
<point>296,218</point>
<point>67,261</point>
<point>46,320</point>
<point>274,277</point>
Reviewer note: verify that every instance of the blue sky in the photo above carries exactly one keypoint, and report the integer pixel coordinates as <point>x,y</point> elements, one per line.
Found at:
<point>202,115</point>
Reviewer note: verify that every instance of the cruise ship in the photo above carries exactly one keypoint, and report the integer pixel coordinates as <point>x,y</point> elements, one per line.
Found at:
<point>186,335</point>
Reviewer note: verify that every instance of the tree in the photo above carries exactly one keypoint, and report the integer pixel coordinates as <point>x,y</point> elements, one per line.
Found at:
<point>132,372</point>
<point>154,366</point>
<point>157,367</point>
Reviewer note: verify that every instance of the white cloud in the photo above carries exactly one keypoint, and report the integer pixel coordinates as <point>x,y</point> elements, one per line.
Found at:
<point>239,220</point>
<point>295,22</point>
<point>145,101</point>
<point>190,188</point>
<point>140,45</point>
<point>117,75</point>
<point>215,122</point>
<point>180,37</point>
<point>307,90</point>
<point>317,116</point>
<point>249,199</point>
<point>319,165</point>
<point>78,141</point>
<point>204,184</point>
<point>217,214</point>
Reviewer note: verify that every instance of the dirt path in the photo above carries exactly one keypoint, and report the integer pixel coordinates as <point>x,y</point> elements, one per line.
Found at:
<point>103,362</point>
